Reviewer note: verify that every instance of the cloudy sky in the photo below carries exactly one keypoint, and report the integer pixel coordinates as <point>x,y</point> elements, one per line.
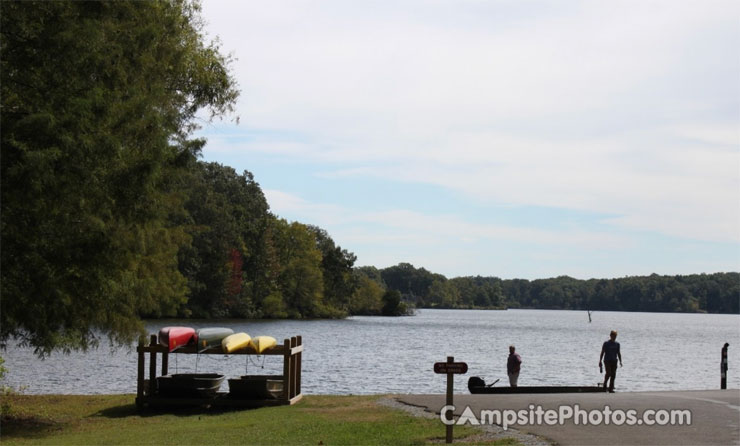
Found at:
<point>511,138</point>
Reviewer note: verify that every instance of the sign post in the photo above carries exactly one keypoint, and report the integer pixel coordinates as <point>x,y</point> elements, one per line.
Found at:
<point>450,368</point>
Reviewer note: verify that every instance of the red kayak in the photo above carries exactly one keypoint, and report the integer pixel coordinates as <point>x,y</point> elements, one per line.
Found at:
<point>176,337</point>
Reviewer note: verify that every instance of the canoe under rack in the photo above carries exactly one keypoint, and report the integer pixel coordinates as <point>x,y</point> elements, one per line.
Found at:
<point>146,389</point>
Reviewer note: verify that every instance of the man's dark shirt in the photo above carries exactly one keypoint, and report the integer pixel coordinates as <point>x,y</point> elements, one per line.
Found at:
<point>611,350</point>
<point>513,364</point>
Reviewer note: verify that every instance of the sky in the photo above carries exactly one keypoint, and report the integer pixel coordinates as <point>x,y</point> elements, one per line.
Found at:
<point>509,138</point>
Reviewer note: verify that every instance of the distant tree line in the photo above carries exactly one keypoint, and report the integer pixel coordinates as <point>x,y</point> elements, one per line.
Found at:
<point>712,293</point>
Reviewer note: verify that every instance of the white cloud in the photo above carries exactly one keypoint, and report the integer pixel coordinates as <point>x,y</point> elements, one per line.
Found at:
<point>691,192</point>
<point>617,108</point>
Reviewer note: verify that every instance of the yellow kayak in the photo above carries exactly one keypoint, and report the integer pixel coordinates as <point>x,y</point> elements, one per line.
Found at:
<point>234,342</point>
<point>262,343</point>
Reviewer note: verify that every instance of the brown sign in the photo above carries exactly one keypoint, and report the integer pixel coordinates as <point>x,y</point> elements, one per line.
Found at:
<point>450,367</point>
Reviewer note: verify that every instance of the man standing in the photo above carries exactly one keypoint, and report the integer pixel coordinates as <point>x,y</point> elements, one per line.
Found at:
<point>513,365</point>
<point>610,353</point>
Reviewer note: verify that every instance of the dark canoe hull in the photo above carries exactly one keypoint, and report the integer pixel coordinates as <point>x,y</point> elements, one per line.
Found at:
<point>536,389</point>
<point>256,387</point>
<point>209,338</point>
<point>189,385</point>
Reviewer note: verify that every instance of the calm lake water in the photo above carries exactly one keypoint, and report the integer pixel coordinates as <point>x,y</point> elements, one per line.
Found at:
<point>365,355</point>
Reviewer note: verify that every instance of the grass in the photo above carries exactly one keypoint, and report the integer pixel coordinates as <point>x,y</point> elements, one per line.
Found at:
<point>316,420</point>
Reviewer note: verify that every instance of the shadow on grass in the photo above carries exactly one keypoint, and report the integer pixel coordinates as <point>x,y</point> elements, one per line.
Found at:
<point>124,411</point>
<point>17,426</point>
<point>35,427</point>
<point>130,410</point>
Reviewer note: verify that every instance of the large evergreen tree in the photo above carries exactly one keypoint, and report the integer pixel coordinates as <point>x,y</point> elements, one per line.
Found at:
<point>98,105</point>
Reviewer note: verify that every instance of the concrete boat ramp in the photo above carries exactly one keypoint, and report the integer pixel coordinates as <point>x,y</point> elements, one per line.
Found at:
<point>714,416</point>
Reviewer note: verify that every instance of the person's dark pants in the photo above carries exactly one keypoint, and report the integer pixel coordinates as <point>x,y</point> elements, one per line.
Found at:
<point>611,372</point>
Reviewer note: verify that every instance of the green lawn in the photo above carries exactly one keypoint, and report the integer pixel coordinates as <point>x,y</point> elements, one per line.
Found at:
<point>113,419</point>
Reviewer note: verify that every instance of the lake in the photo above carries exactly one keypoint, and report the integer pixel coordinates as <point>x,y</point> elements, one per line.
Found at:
<point>367,355</point>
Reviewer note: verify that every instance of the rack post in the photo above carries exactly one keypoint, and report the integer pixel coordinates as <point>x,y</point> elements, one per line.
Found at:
<point>298,366</point>
<point>140,375</point>
<point>293,366</point>
<point>153,366</point>
<point>286,369</point>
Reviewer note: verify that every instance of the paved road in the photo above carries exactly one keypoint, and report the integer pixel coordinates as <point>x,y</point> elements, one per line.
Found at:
<point>715,415</point>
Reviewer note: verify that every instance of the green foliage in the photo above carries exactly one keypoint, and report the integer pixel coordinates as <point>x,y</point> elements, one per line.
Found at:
<point>714,293</point>
<point>336,269</point>
<point>411,282</point>
<point>367,298</point>
<point>274,307</point>
<point>98,102</point>
<point>227,214</point>
<point>479,292</point>
<point>6,408</point>
<point>371,273</point>
<point>300,279</point>
<point>393,305</point>
<point>244,262</point>
<point>441,294</point>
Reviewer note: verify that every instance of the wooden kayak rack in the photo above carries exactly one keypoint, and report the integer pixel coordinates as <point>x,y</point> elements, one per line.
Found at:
<point>146,389</point>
